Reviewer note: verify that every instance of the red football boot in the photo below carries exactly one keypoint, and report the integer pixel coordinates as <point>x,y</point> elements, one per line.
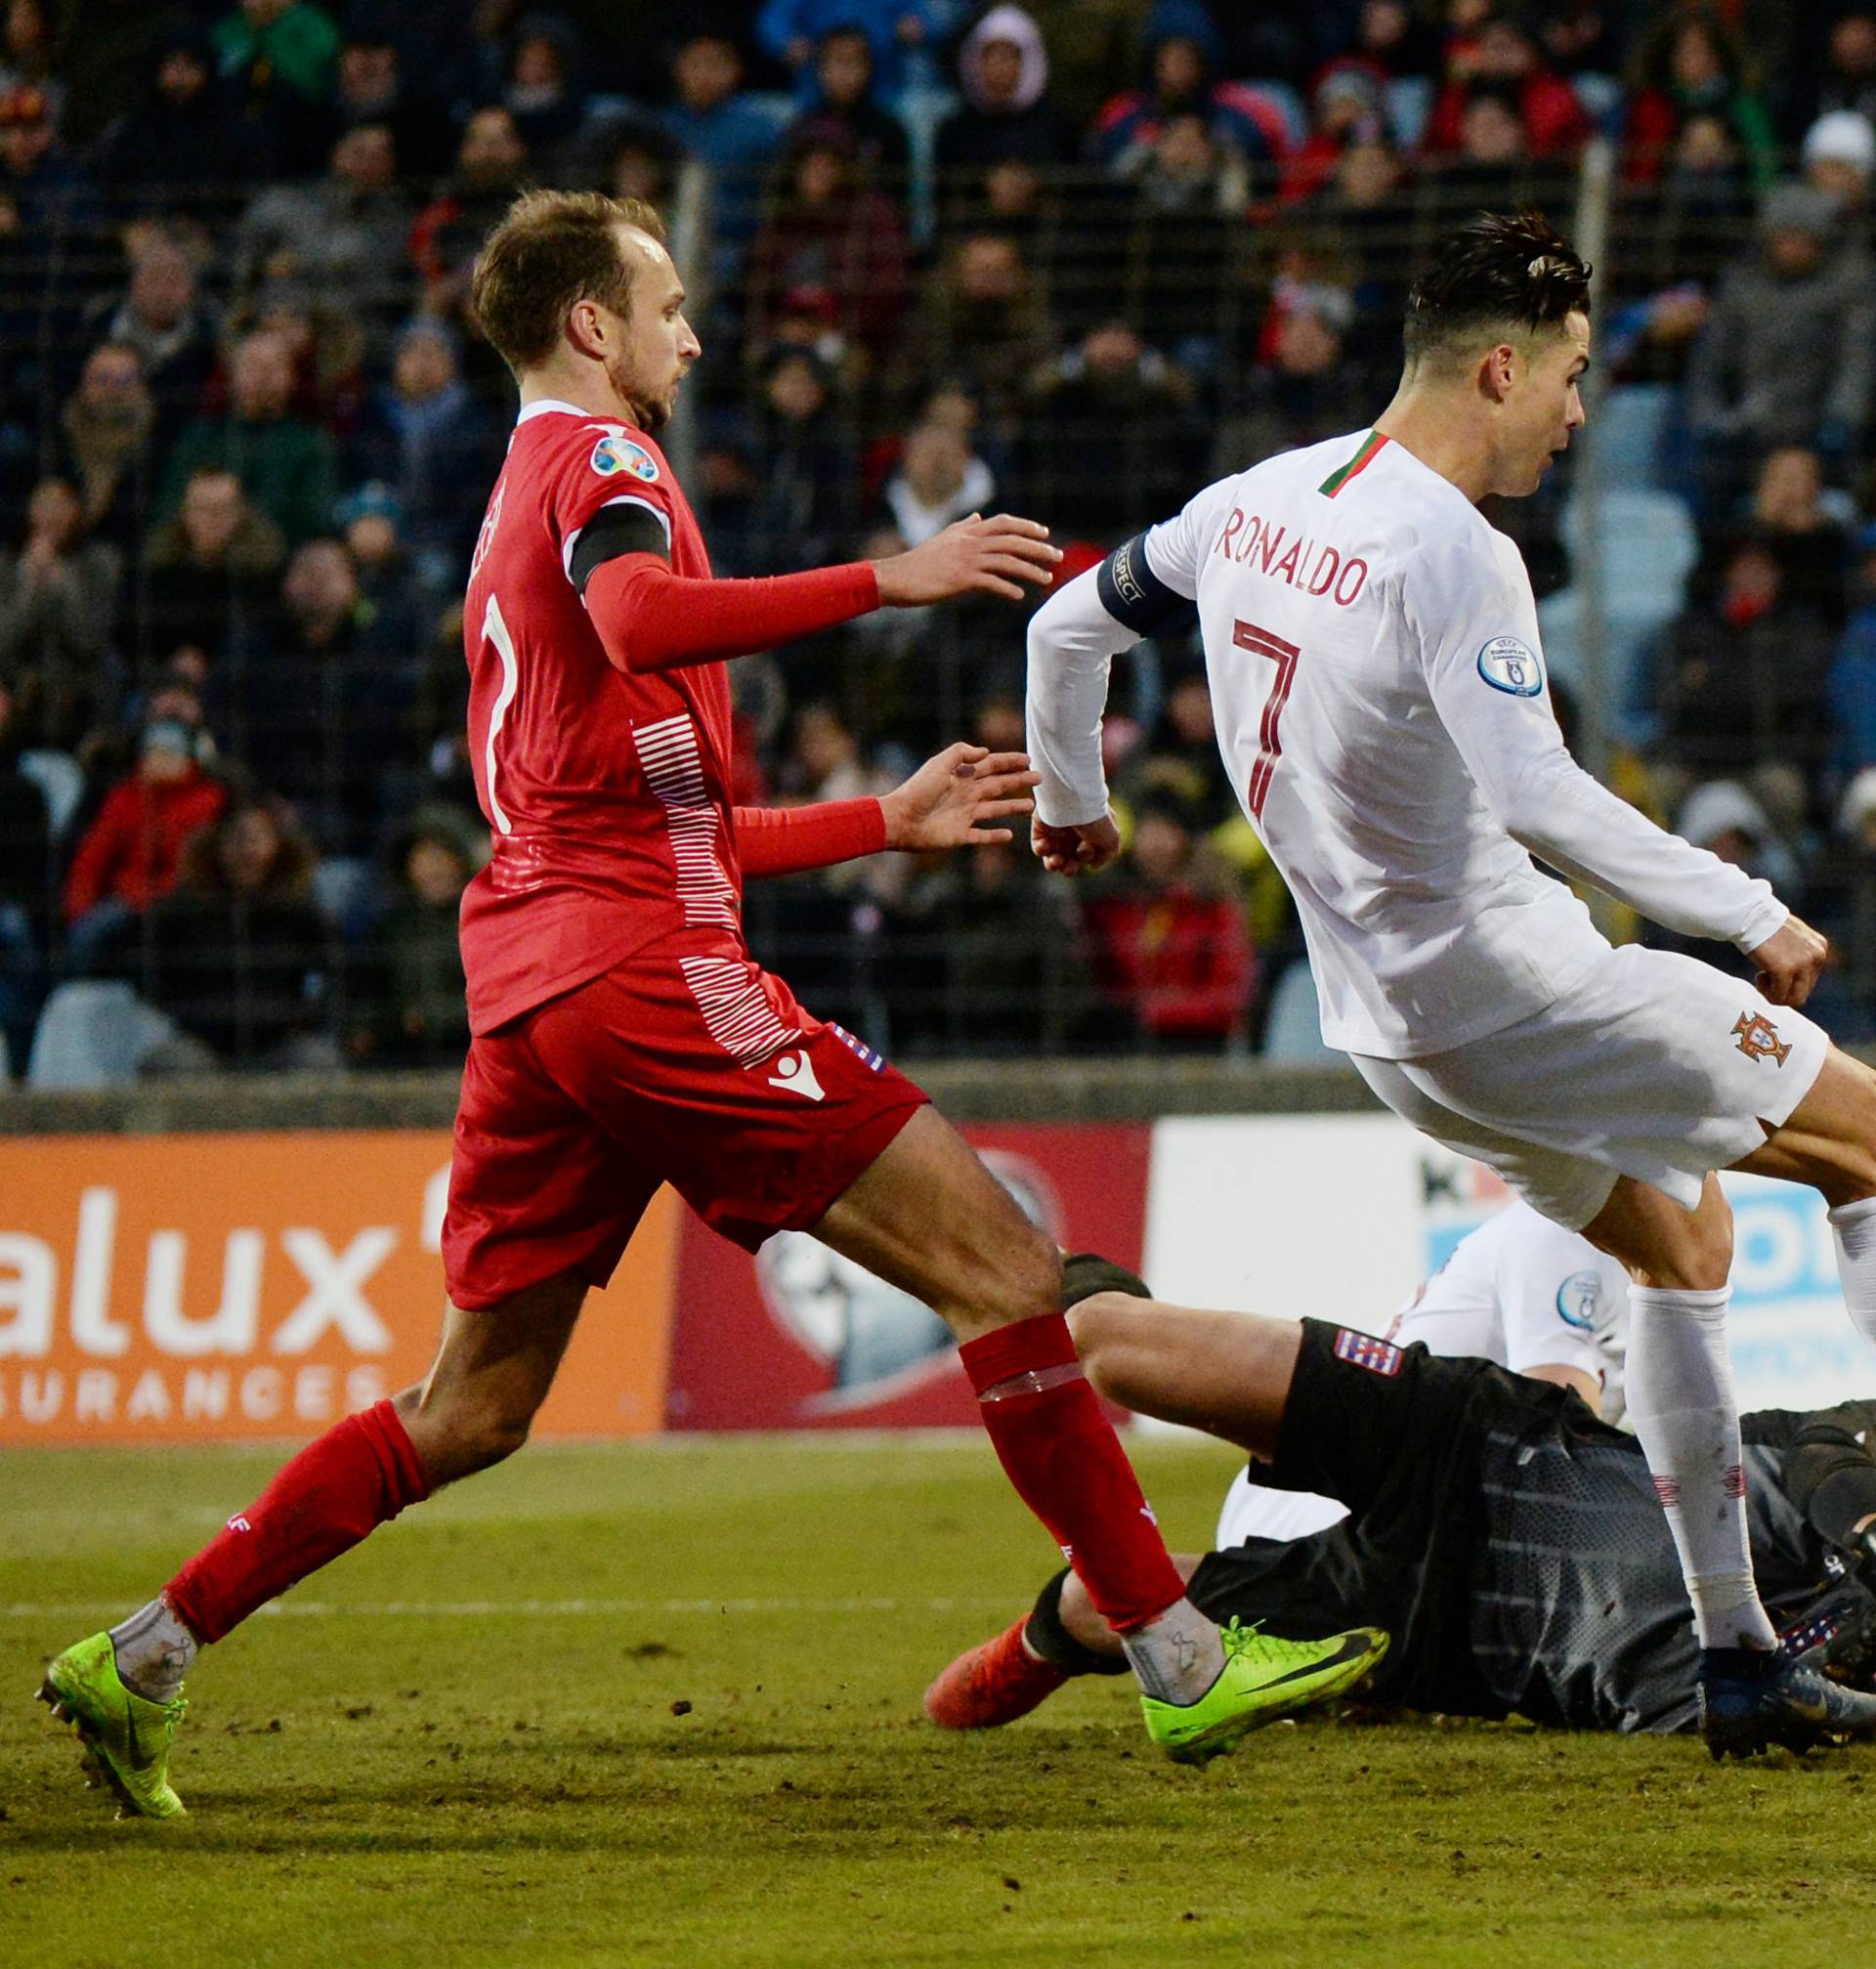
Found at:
<point>996,1681</point>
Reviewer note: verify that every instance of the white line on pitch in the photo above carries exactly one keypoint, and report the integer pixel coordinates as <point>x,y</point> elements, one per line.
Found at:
<point>484,1609</point>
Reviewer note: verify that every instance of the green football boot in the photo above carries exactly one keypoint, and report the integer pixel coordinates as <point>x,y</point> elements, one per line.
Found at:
<point>126,1737</point>
<point>1264,1678</point>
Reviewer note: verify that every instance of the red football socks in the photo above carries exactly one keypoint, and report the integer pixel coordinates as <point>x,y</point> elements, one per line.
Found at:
<point>334,1493</point>
<point>1059,1450</point>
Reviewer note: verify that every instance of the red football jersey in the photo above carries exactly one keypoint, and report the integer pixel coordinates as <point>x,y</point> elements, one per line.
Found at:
<point>608,794</point>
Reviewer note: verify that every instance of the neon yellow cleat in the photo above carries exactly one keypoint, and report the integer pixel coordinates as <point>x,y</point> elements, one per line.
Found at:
<point>1264,1678</point>
<point>126,1737</point>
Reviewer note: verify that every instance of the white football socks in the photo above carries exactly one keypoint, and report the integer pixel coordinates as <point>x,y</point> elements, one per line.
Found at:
<point>1854,1225</point>
<point>1177,1658</point>
<point>1681,1402</point>
<point>153,1650</point>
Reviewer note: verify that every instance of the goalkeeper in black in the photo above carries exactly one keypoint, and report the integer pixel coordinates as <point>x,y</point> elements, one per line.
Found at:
<point>1511,1543</point>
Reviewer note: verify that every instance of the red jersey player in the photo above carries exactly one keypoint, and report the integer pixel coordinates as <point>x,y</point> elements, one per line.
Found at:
<point>624,1036</point>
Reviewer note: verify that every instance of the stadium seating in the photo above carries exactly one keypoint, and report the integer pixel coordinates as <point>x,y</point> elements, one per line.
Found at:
<point>93,1033</point>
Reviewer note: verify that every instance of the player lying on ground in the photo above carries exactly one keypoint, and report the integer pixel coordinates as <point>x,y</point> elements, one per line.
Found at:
<point>1373,654</point>
<point>1518,1291</point>
<point>1510,1542</point>
<point>624,1037</point>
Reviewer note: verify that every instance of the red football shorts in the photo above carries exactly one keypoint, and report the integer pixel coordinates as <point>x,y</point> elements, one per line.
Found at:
<point>702,1072</point>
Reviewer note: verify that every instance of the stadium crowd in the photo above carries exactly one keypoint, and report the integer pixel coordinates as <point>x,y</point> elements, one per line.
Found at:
<point>1072,260</point>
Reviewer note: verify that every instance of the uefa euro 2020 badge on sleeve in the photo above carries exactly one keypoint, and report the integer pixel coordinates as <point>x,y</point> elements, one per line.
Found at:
<point>615,452</point>
<point>1510,665</point>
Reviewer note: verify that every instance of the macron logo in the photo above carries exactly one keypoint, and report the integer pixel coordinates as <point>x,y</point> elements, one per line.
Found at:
<point>793,1073</point>
<point>238,1523</point>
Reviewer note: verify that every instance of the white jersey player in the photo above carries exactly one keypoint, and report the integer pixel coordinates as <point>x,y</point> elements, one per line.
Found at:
<point>1382,706</point>
<point>1519,1290</point>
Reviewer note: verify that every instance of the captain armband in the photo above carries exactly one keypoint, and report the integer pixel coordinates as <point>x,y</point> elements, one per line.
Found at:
<point>1132,593</point>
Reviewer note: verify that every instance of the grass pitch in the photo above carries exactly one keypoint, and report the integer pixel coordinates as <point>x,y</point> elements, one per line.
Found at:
<point>660,1706</point>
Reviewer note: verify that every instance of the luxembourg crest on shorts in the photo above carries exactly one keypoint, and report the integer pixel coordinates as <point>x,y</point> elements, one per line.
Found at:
<point>1510,665</point>
<point>614,454</point>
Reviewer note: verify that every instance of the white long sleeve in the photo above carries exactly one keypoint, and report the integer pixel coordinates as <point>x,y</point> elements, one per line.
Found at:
<point>1545,800</point>
<point>1073,642</point>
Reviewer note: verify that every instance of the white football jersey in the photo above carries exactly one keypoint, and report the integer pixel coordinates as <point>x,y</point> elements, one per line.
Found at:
<point>1519,1290</point>
<point>1383,710</point>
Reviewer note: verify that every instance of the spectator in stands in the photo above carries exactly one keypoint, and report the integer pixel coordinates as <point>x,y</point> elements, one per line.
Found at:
<point>174,333</point>
<point>641,160</point>
<point>541,90</point>
<point>1744,682</point>
<point>1183,52</point>
<point>1810,545</point>
<point>1692,65</point>
<point>1112,438</point>
<point>108,428</point>
<point>57,601</point>
<point>318,703</point>
<point>1347,107</point>
<point>182,148</point>
<point>1840,159</point>
<point>374,88</point>
<point>787,482</point>
<point>1169,939</point>
<point>30,52</point>
<point>54,252</point>
<point>26,883</point>
<point>1787,352</point>
<point>1301,393</point>
<point>1182,752</point>
<point>1396,41</point>
<point>129,856</point>
<point>400,594</point>
<point>1844,79</point>
<point>1501,60</point>
<point>827,231</point>
<point>718,124</point>
<point>844,98</point>
<point>288,467</point>
<point>792,31</point>
<point>415,1011</point>
<point>343,235</point>
<point>237,955</point>
<point>940,479</point>
<point>982,324</point>
<point>430,439</point>
<point>1839,897</point>
<point>1006,115</point>
<point>1191,191</point>
<point>280,58</point>
<point>1089,43</point>
<point>492,161</point>
<point>209,571</point>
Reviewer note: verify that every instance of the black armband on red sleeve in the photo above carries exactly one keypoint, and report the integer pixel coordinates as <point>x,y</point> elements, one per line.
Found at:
<point>1132,593</point>
<point>622,525</point>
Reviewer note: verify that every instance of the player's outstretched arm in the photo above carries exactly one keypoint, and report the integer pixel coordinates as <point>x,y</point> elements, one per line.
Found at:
<point>946,803</point>
<point>650,619</point>
<point>1074,638</point>
<point>1487,686</point>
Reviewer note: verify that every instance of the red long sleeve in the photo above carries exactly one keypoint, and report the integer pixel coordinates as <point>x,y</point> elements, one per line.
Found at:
<point>785,840</point>
<point>651,620</point>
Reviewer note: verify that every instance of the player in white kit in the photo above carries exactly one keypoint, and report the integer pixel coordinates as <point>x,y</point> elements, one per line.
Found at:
<point>1520,1291</point>
<point>1381,707</point>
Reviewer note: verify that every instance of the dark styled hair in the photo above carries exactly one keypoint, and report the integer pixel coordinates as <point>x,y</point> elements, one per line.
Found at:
<point>551,249</point>
<point>1499,271</point>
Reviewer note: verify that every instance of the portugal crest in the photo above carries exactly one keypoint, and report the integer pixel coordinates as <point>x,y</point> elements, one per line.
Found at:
<point>1759,1037</point>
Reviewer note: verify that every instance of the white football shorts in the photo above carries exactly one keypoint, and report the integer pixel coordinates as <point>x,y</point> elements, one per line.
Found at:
<point>1655,1066</point>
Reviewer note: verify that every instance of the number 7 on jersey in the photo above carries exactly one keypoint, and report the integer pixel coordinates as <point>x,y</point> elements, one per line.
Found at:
<point>1269,744</point>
